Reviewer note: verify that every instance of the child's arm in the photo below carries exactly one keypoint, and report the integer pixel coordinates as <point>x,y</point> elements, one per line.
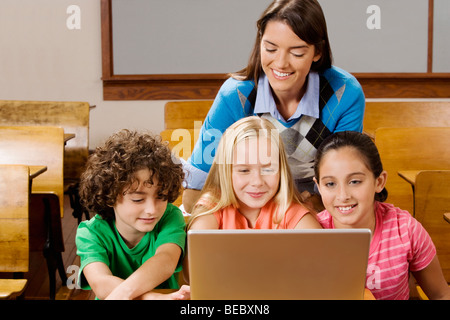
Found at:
<point>432,281</point>
<point>308,221</point>
<point>153,272</point>
<point>207,221</point>
<point>100,279</point>
<point>184,293</point>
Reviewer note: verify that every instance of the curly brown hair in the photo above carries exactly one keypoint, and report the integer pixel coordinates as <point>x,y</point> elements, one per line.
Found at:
<point>112,167</point>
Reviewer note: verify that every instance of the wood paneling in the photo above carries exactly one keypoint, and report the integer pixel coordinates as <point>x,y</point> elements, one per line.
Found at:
<point>374,86</point>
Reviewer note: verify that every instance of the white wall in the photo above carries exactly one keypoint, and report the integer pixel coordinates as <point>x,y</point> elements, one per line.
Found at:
<point>42,59</point>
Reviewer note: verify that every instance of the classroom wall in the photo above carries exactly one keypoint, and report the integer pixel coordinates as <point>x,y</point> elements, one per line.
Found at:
<point>41,58</point>
<point>45,56</point>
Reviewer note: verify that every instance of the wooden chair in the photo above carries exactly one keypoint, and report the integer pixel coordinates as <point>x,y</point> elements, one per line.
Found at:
<point>182,123</point>
<point>73,117</point>
<point>379,114</point>
<point>41,145</point>
<point>36,145</point>
<point>447,216</point>
<point>419,148</point>
<point>182,114</point>
<point>181,141</point>
<point>432,200</point>
<point>14,236</point>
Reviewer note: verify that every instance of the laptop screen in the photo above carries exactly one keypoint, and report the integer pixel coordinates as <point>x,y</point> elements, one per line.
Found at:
<point>278,264</point>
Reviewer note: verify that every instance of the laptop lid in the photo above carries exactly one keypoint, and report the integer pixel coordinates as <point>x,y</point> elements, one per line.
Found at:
<point>278,264</point>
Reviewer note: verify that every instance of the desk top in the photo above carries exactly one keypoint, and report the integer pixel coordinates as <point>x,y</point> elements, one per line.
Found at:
<point>409,175</point>
<point>11,287</point>
<point>447,217</point>
<point>36,170</point>
<point>68,136</point>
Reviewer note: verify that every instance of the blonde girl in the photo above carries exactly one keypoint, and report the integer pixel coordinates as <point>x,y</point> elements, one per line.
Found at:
<point>250,184</point>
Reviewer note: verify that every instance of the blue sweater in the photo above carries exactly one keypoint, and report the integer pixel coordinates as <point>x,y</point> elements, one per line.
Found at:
<point>338,100</point>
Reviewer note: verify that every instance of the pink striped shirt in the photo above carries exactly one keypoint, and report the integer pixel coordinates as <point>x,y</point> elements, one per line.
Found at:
<point>399,244</point>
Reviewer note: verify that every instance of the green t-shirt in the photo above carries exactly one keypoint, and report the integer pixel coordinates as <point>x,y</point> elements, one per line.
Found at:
<point>98,240</point>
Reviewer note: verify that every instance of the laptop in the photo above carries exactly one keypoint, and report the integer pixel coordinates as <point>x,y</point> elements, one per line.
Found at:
<point>322,264</point>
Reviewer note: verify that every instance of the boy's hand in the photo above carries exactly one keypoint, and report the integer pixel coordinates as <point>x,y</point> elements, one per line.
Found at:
<point>183,294</point>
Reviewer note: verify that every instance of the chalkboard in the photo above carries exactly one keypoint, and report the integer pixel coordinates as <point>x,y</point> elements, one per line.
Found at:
<point>216,36</point>
<point>184,49</point>
<point>183,36</point>
<point>441,36</point>
<point>378,35</point>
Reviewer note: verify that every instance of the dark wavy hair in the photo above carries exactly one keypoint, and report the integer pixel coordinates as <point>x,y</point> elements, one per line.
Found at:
<point>111,169</point>
<point>307,21</point>
<point>360,142</point>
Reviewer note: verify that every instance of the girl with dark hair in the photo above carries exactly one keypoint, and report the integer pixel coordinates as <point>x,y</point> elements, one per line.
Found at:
<point>350,177</point>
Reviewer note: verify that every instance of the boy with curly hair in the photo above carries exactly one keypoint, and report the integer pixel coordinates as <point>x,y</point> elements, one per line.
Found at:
<point>135,241</point>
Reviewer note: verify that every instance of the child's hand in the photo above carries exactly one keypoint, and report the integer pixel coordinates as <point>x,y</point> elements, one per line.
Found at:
<point>183,294</point>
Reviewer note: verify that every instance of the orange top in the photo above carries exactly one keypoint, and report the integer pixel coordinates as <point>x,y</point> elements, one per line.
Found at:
<point>231,218</point>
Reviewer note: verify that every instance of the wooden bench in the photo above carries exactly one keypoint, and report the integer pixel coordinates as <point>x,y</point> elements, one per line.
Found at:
<point>394,113</point>
<point>73,117</point>
<point>432,200</point>
<point>36,145</point>
<point>402,149</point>
<point>41,145</point>
<point>14,236</point>
<point>182,114</point>
<point>182,123</point>
<point>405,114</point>
<point>181,141</point>
<point>447,217</point>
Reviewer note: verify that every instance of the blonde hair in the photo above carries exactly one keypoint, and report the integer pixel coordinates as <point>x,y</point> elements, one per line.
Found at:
<point>217,193</point>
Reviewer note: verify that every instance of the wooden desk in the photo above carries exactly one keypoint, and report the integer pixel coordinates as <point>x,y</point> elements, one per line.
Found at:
<point>368,295</point>
<point>72,116</point>
<point>431,198</point>
<point>447,217</point>
<point>409,176</point>
<point>14,227</point>
<point>36,170</point>
<point>11,288</point>
<point>68,136</point>
<point>398,153</point>
<point>36,145</point>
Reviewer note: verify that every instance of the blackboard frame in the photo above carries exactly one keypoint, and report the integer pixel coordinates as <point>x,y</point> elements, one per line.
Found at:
<point>205,86</point>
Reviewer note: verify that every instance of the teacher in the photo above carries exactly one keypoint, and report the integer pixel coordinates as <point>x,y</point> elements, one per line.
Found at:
<point>289,80</point>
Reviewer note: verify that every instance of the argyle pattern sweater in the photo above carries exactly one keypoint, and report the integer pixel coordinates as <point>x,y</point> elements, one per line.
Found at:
<point>341,105</point>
